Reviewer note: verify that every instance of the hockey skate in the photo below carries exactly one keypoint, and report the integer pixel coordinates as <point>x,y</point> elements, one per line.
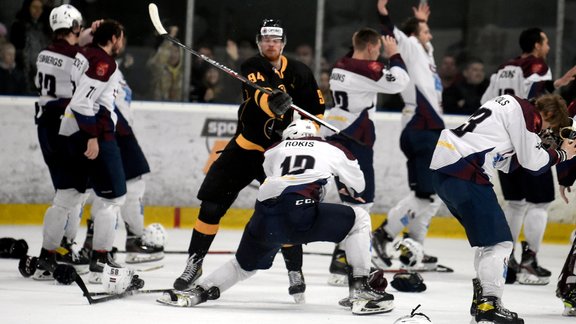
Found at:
<point>67,255</point>
<point>569,300</point>
<point>191,273</point>
<point>297,286</point>
<point>513,269</point>
<point>138,251</point>
<point>491,311</point>
<point>97,262</point>
<point>339,268</point>
<point>365,300</point>
<point>530,272</point>
<point>193,297</point>
<point>45,266</point>
<point>380,242</point>
<point>476,294</point>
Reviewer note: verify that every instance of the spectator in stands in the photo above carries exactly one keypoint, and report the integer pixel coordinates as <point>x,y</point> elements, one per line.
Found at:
<point>214,90</point>
<point>166,68</point>
<point>448,70</point>
<point>30,34</point>
<point>3,33</point>
<point>305,54</point>
<point>324,86</point>
<point>463,97</point>
<point>12,80</point>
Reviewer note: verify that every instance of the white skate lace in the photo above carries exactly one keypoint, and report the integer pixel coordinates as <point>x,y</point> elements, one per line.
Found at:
<point>191,269</point>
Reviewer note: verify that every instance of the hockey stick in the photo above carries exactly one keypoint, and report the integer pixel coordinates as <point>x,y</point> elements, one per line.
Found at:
<point>155,17</point>
<point>108,297</point>
<point>224,252</point>
<point>140,291</point>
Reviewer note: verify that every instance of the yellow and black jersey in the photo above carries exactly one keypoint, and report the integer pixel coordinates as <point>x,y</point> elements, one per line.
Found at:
<point>257,126</point>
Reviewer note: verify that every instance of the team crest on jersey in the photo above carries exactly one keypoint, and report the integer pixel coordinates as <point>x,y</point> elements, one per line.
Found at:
<point>536,67</point>
<point>102,69</point>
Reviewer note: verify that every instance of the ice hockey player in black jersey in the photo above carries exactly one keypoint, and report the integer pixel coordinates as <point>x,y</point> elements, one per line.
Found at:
<point>261,119</point>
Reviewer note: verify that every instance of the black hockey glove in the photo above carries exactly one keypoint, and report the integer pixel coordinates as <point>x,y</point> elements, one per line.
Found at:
<point>408,282</point>
<point>279,102</point>
<point>65,274</point>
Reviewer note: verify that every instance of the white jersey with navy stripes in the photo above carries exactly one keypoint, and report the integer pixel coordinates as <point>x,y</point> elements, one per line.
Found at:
<point>53,76</point>
<point>517,77</point>
<point>355,85</point>
<point>502,128</point>
<point>90,93</point>
<point>304,164</point>
<point>423,77</point>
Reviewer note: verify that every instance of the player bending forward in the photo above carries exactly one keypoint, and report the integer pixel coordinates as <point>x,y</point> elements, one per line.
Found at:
<point>500,135</point>
<point>289,211</point>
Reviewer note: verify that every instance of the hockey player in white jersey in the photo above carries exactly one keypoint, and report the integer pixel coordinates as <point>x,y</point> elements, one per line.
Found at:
<point>62,219</point>
<point>289,211</point>
<point>89,130</point>
<point>527,196</point>
<point>355,81</point>
<point>422,122</point>
<point>138,246</point>
<point>501,135</point>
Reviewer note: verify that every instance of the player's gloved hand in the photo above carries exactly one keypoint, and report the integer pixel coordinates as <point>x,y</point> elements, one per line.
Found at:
<point>279,102</point>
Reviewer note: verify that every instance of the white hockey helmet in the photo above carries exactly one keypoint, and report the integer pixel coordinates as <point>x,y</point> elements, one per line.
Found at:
<point>65,16</point>
<point>154,235</point>
<point>116,280</point>
<point>300,128</point>
<point>411,252</point>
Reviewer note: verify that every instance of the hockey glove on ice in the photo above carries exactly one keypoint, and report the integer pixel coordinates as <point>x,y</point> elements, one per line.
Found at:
<point>408,282</point>
<point>279,102</point>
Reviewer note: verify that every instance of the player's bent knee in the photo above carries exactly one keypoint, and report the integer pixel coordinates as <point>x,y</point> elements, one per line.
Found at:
<point>362,220</point>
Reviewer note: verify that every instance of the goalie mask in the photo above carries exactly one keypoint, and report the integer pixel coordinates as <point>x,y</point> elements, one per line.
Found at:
<point>154,235</point>
<point>116,280</point>
<point>300,128</point>
<point>65,17</point>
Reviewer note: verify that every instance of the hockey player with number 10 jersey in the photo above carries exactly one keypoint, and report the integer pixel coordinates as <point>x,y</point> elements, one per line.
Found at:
<point>289,210</point>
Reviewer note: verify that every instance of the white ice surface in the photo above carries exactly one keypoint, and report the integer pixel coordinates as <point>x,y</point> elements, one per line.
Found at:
<point>264,298</point>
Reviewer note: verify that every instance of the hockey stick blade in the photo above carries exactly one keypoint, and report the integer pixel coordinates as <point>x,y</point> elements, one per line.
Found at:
<point>155,18</point>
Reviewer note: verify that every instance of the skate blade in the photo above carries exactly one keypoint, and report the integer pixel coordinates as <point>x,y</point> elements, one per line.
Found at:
<point>143,257</point>
<point>95,278</point>
<point>345,302</point>
<point>42,275</point>
<point>299,298</point>
<point>338,280</point>
<point>533,280</point>
<point>569,311</point>
<point>178,299</point>
<point>370,307</point>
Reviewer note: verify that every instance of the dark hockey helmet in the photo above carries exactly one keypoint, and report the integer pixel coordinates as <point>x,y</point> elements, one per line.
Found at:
<point>271,27</point>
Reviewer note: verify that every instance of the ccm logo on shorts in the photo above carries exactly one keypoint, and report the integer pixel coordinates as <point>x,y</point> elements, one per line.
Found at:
<point>304,201</point>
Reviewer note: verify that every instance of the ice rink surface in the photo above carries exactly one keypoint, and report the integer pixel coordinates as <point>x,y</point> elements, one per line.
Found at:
<point>264,297</point>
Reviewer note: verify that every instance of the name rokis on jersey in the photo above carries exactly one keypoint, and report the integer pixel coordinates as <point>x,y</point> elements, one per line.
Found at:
<point>304,166</point>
